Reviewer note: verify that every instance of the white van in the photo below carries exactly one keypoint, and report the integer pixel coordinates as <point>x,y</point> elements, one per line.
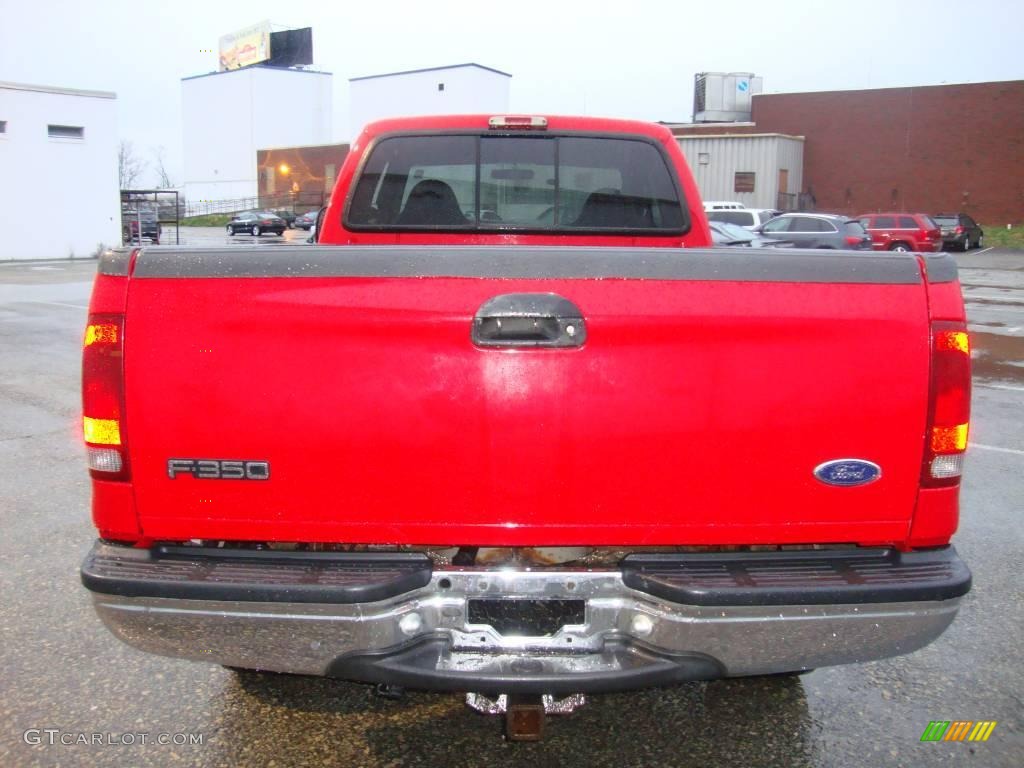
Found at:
<point>745,217</point>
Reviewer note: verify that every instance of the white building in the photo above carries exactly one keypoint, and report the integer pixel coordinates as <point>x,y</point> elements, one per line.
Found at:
<point>58,159</point>
<point>452,90</point>
<point>227,116</point>
<point>760,170</point>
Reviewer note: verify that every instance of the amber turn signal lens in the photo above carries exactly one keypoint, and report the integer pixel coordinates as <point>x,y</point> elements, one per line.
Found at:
<point>953,341</point>
<point>100,333</point>
<point>101,431</point>
<point>949,439</point>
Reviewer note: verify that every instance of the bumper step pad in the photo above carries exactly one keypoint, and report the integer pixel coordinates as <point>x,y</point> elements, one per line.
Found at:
<point>799,577</point>
<point>253,575</point>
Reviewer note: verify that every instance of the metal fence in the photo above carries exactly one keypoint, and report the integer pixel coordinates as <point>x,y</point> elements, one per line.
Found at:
<point>298,202</point>
<point>145,212</point>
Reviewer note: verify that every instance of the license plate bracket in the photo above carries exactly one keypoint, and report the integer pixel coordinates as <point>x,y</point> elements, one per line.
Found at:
<point>523,617</point>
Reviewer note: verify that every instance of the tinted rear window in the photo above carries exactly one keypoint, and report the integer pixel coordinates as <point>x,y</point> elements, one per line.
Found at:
<point>947,221</point>
<point>743,218</point>
<point>855,228</point>
<point>489,183</point>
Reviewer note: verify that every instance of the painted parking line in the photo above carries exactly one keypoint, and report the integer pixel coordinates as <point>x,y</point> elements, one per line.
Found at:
<point>1008,387</point>
<point>993,308</point>
<point>58,304</point>
<point>996,448</point>
<point>986,250</point>
<point>968,296</point>
<point>32,263</point>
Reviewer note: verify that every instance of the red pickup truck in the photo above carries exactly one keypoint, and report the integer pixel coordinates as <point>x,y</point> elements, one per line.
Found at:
<point>512,428</point>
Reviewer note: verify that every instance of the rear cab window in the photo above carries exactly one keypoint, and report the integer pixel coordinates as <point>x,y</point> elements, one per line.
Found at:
<point>492,183</point>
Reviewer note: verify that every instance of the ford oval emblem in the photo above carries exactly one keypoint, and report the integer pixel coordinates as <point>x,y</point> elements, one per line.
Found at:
<point>848,472</point>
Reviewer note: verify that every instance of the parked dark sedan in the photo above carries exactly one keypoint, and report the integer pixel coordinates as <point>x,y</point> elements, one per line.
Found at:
<point>306,220</point>
<point>959,231</point>
<point>288,216</point>
<point>256,223</point>
<point>817,230</point>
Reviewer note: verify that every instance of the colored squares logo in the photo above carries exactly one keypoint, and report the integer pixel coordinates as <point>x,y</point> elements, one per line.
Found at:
<point>958,730</point>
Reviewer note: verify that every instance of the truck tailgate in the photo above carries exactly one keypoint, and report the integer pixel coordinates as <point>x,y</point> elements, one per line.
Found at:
<point>710,386</point>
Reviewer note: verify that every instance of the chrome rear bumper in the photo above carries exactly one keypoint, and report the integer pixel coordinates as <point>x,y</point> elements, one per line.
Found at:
<point>424,637</point>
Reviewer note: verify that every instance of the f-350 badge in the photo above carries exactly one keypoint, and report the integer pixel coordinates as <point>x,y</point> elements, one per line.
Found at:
<point>219,469</point>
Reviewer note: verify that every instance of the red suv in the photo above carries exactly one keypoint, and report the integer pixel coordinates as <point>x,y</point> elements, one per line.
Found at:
<point>902,231</point>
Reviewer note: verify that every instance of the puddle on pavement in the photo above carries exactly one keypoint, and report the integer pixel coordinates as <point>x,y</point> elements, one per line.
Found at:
<point>995,356</point>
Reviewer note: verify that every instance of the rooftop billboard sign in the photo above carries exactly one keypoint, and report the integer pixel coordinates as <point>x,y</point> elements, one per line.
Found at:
<point>248,46</point>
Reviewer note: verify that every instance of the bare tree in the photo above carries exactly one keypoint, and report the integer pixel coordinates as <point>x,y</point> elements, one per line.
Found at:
<point>129,165</point>
<point>163,178</point>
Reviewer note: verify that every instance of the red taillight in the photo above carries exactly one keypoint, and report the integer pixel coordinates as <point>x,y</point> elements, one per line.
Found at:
<point>103,425</point>
<point>959,230</point>
<point>854,240</point>
<point>949,405</point>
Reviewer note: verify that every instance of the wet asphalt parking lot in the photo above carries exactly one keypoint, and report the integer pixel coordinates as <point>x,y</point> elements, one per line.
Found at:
<point>61,671</point>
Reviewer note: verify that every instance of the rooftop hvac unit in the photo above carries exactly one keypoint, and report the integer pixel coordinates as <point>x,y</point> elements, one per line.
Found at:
<point>724,97</point>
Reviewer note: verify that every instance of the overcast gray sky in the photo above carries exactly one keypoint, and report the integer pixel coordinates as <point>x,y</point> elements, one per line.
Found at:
<point>619,59</point>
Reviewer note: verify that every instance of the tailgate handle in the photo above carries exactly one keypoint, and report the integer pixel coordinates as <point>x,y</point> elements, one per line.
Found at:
<point>529,320</point>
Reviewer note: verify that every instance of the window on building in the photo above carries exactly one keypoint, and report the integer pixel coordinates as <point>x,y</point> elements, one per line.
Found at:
<point>744,181</point>
<point>65,131</point>
<point>440,86</point>
<point>3,126</point>
<point>703,158</point>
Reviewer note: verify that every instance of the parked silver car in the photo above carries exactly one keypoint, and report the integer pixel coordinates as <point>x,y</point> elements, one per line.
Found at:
<point>817,230</point>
